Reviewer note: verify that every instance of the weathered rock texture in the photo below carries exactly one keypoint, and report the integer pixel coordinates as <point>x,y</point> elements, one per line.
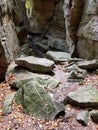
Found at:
<point>12,26</point>
<point>57,23</point>
<point>35,64</point>
<point>47,15</point>
<point>42,11</point>
<point>88,31</point>
<point>5,54</point>
<point>72,13</point>
<point>81,20</point>
<point>19,18</point>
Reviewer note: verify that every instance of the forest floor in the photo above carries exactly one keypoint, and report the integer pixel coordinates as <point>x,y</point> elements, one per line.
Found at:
<point>20,121</point>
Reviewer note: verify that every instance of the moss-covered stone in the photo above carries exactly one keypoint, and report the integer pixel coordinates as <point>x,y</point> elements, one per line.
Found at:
<point>37,102</point>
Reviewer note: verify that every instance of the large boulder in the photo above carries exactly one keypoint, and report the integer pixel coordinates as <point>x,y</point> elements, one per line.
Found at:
<point>5,52</point>
<point>37,102</point>
<point>57,23</point>
<point>35,64</point>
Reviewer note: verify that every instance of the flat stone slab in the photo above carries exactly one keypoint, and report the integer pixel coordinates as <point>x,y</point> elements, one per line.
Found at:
<point>88,65</point>
<point>84,97</point>
<point>58,56</point>
<point>35,64</point>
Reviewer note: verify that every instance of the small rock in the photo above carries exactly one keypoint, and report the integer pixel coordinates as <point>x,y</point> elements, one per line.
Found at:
<point>58,56</point>
<point>75,72</point>
<point>94,115</point>
<point>7,106</point>
<point>71,68</point>
<point>35,64</point>
<point>74,75</point>
<point>83,118</point>
<point>88,65</point>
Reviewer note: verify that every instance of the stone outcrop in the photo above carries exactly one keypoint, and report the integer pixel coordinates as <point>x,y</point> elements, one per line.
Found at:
<point>81,20</point>
<point>12,27</point>
<point>72,13</point>
<point>87,45</point>
<point>19,18</point>
<point>57,23</point>
<point>40,15</point>
<point>47,15</point>
<point>5,54</point>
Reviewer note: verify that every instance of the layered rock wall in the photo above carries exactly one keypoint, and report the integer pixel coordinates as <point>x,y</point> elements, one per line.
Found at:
<point>81,20</point>
<point>88,31</point>
<point>12,24</point>
<point>42,11</point>
<point>72,13</point>
<point>57,23</point>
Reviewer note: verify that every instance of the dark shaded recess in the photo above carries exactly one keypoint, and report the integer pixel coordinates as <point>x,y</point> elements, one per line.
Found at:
<point>60,115</point>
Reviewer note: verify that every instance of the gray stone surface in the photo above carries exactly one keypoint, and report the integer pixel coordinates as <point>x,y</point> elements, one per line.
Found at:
<point>57,44</point>
<point>77,71</point>
<point>71,67</point>
<point>74,75</point>
<point>24,76</point>
<point>36,101</point>
<point>74,60</point>
<point>88,31</point>
<point>58,56</point>
<point>91,64</point>
<point>83,118</point>
<point>84,97</point>
<point>7,105</point>
<point>35,64</point>
<point>94,115</point>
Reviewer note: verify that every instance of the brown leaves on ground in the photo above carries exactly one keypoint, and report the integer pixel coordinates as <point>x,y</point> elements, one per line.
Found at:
<point>20,121</point>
